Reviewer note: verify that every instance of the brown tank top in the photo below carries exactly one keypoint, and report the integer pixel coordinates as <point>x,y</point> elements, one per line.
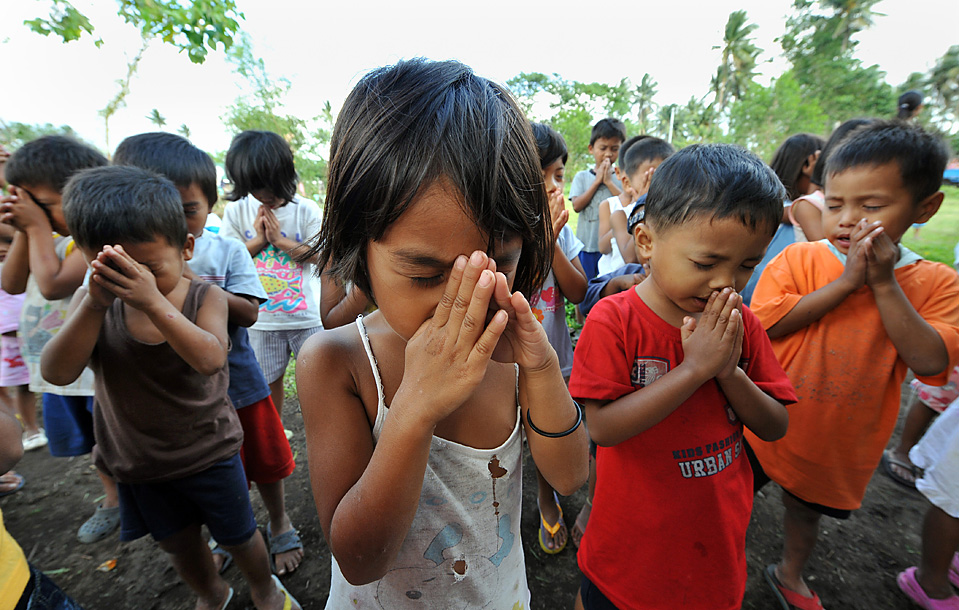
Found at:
<point>155,418</point>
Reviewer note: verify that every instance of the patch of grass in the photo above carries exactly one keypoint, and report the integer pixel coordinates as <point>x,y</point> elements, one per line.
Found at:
<point>938,237</point>
<point>289,380</point>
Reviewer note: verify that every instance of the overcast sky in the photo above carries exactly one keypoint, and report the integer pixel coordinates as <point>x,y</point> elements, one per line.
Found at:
<point>323,48</point>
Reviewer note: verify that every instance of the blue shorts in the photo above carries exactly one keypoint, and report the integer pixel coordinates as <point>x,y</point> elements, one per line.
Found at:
<point>44,594</point>
<point>68,421</point>
<point>218,497</point>
<point>592,597</point>
<point>590,262</point>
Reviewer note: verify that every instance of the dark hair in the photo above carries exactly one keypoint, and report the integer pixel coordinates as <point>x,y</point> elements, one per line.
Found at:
<point>819,172</point>
<point>638,213</point>
<point>920,155</point>
<point>50,161</point>
<point>621,159</point>
<point>909,102</point>
<point>608,128</point>
<point>549,144</point>
<point>649,149</point>
<point>406,127</point>
<point>171,156</point>
<point>719,180</point>
<point>115,204</point>
<point>261,160</point>
<point>791,156</point>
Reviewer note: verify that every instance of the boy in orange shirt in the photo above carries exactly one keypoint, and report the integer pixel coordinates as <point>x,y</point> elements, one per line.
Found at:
<point>847,316</point>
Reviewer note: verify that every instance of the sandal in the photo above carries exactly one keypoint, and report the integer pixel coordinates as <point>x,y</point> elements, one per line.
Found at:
<point>282,543</point>
<point>216,549</point>
<point>289,601</point>
<point>103,522</point>
<point>910,586</point>
<point>14,481</point>
<point>789,599</point>
<point>34,441</point>
<point>889,465</point>
<point>552,530</point>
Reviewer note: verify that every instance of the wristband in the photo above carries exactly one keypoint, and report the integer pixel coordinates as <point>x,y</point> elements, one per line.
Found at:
<point>579,420</point>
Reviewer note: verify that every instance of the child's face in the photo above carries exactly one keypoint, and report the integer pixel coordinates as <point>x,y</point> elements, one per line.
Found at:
<point>605,148</point>
<point>554,175</point>
<point>51,202</point>
<point>267,198</point>
<point>164,260</point>
<point>409,267</point>
<point>638,182</point>
<point>6,240</point>
<point>195,208</point>
<point>692,260</point>
<point>873,192</point>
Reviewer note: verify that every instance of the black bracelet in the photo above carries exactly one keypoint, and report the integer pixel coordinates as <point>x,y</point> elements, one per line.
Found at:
<point>579,420</point>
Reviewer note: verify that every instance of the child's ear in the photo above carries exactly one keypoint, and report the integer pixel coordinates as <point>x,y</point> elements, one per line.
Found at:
<point>810,164</point>
<point>643,234</point>
<point>188,247</point>
<point>928,207</point>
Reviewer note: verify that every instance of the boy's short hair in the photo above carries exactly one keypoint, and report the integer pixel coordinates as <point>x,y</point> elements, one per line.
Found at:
<point>405,127</point>
<point>608,128</point>
<point>171,156</point>
<point>110,205</point>
<point>621,159</point>
<point>549,144</point>
<point>837,136</point>
<point>648,149</point>
<point>258,160</point>
<point>50,161</point>
<point>920,155</point>
<point>718,180</point>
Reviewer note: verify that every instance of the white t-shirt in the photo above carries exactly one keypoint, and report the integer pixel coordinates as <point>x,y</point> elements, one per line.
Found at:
<point>614,260</point>
<point>292,295</point>
<point>549,304</point>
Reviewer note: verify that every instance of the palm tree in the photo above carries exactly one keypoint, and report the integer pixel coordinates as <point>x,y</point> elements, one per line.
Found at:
<point>643,100</point>
<point>944,78</point>
<point>738,64</point>
<point>853,16</point>
<point>156,118</point>
<point>184,131</point>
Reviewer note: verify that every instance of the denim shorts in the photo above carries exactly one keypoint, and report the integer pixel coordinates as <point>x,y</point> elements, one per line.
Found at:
<point>44,594</point>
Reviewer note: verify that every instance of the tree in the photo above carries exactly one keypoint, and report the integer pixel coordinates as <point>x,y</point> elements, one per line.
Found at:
<point>188,26</point>
<point>643,101</point>
<point>184,131</point>
<point>851,17</point>
<point>156,118</point>
<point>14,135</point>
<point>944,81</point>
<point>738,65</point>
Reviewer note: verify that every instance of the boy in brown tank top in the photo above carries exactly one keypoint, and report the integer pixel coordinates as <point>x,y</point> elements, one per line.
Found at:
<point>157,341</point>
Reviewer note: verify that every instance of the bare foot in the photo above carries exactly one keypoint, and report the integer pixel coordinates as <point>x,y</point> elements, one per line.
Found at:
<point>579,527</point>
<point>10,482</point>
<point>289,560</point>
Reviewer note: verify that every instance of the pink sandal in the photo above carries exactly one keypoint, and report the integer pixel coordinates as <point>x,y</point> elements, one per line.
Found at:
<point>910,586</point>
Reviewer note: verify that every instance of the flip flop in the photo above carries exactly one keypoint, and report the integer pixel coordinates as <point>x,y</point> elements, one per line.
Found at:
<point>282,543</point>
<point>227,557</point>
<point>910,586</point>
<point>789,599</point>
<point>290,601</point>
<point>890,462</point>
<point>229,598</point>
<point>551,529</point>
<point>18,483</point>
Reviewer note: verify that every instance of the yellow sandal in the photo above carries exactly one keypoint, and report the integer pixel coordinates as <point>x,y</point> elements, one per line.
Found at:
<point>552,530</point>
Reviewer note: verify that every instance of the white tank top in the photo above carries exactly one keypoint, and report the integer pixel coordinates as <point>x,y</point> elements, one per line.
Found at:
<point>463,549</point>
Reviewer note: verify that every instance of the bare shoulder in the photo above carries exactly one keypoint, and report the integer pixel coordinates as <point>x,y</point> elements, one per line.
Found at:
<point>331,368</point>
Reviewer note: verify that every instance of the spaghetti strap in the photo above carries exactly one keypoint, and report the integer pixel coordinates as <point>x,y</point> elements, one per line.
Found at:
<point>369,354</point>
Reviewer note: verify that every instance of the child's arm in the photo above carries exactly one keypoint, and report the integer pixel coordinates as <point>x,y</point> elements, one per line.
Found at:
<point>366,496</point>
<point>281,242</point>
<point>916,341</point>
<point>202,345</point>
<point>624,241</point>
<point>708,347</point>
<point>610,284</point>
<point>242,309</point>
<point>569,273</point>
<point>337,305</point>
<point>67,353</point>
<point>605,229</point>
<point>603,171</point>
<point>816,304</point>
<point>809,218</point>
<point>16,267</point>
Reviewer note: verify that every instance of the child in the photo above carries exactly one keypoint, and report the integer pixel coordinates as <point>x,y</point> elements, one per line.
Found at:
<point>167,431</point>
<point>848,316</point>
<point>794,162</point>
<point>637,162</point>
<point>260,166</point>
<point>625,277</point>
<point>436,210</point>
<point>43,263</point>
<point>671,372</point>
<point>592,186</point>
<point>565,280</point>
<point>938,454</point>
<point>266,455</point>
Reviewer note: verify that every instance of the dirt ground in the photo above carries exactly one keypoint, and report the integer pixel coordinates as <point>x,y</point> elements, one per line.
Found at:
<point>854,566</point>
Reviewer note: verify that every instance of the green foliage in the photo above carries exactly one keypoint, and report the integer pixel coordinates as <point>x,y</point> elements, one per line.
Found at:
<point>15,135</point>
<point>195,27</point>
<point>184,131</point>
<point>156,118</point>
<point>938,237</point>
<point>738,65</point>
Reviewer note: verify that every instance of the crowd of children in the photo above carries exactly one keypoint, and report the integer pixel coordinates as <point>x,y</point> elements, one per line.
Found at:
<point>445,223</point>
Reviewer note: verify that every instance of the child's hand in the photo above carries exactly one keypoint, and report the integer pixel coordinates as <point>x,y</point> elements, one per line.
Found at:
<point>854,275</point>
<point>97,293</point>
<point>621,283</point>
<point>271,226</point>
<point>558,213</point>
<point>131,282</point>
<point>20,211</point>
<point>881,257</point>
<point>643,187</point>
<point>710,344</point>
<point>259,222</point>
<point>447,356</point>
<point>524,341</point>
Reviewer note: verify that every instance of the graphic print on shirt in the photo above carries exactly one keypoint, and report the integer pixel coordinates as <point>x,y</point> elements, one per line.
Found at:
<point>282,278</point>
<point>710,458</point>
<point>544,301</point>
<point>647,370</point>
<point>40,323</point>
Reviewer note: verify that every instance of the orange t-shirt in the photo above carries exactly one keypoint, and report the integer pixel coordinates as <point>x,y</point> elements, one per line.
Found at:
<point>845,370</point>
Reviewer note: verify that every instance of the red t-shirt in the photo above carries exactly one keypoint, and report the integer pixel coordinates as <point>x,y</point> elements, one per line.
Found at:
<point>669,518</point>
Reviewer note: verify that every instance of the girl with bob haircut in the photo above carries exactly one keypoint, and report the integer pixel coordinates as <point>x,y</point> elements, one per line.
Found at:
<point>435,209</point>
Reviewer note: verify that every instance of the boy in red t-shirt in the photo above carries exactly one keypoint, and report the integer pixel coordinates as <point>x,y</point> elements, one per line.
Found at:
<point>670,372</point>
<point>847,316</point>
